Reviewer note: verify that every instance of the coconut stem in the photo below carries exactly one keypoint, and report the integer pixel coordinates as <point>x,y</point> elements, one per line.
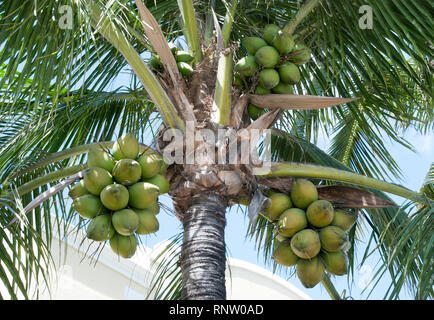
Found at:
<point>190,28</point>
<point>328,285</point>
<point>304,11</point>
<point>49,177</point>
<point>313,171</point>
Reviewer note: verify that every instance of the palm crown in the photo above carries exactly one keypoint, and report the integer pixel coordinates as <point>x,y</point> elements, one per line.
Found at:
<point>56,100</point>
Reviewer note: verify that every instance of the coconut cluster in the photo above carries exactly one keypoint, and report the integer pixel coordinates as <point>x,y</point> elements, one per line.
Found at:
<point>311,233</point>
<point>272,62</point>
<point>119,194</point>
<point>183,61</point>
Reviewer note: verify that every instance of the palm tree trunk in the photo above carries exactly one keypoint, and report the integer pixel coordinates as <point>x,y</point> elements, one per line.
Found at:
<point>203,257</point>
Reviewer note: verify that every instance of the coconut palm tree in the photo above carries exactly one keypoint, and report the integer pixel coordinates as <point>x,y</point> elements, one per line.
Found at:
<point>58,65</point>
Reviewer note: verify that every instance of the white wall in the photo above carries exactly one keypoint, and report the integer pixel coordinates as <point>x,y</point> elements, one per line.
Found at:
<point>111,277</point>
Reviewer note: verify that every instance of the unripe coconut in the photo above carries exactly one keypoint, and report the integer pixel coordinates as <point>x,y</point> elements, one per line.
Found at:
<point>344,219</point>
<point>310,272</point>
<point>303,193</point>
<point>183,56</point>
<point>252,44</point>
<point>155,62</point>
<point>88,206</point>
<point>254,111</point>
<point>124,246</point>
<point>154,208</point>
<point>276,204</point>
<point>127,171</point>
<point>151,164</point>
<point>98,157</point>
<point>289,73</point>
<point>284,255</point>
<point>320,213</point>
<point>96,179</point>
<point>283,42</point>
<point>306,243</point>
<point>126,147</point>
<point>114,197</point>
<point>246,66</point>
<point>100,228</point>
<point>142,195</point>
<point>161,182</point>
<point>269,78</point>
<point>291,221</point>
<point>301,54</point>
<point>332,238</point>
<point>267,57</point>
<point>261,90</point>
<point>185,69</point>
<point>78,190</point>
<point>283,88</point>
<point>270,31</point>
<point>335,262</point>
<point>280,238</point>
<point>148,223</point>
<point>125,221</point>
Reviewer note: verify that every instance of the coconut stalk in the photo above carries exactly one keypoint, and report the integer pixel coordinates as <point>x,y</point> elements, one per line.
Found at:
<point>331,290</point>
<point>318,172</point>
<point>190,28</point>
<point>158,95</point>
<point>302,13</point>
<point>222,97</point>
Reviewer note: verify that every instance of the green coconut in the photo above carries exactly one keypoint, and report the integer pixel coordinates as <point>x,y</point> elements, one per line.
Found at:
<point>335,262</point>
<point>289,73</point>
<point>344,219</point>
<point>291,221</point>
<point>310,272</point>
<point>114,197</point>
<point>269,78</point>
<point>100,228</point>
<point>183,56</point>
<point>254,111</point>
<point>280,238</point>
<point>143,195</point>
<point>185,69</point>
<point>283,42</point>
<point>301,54</point>
<point>283,88</point>
<point>96,179</point>
<point>125,221</point>
<point>126,147</point>
<point>320,213</point>
<point>155,62</point>
<point>127,171</point>
<point>284,255</point>
<point>98,157</point>
<point>148,223</point>
<point>77,190</point>
<point>267,57</point>
<point>276,204</point>
<point>332,238</point>
<point>124,246</point>
<point>246,66</point>
<point>270,31</point>
<point>260,90</point>
<point>252,44</point>
<point>154,208</point>
<point>306,243</point>
<point>151,164</point>
<point>303,193</point>
<point>161,182</point>
<point>88,206</point>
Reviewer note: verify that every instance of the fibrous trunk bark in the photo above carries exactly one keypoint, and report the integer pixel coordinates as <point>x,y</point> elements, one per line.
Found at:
<point>203,258</point>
